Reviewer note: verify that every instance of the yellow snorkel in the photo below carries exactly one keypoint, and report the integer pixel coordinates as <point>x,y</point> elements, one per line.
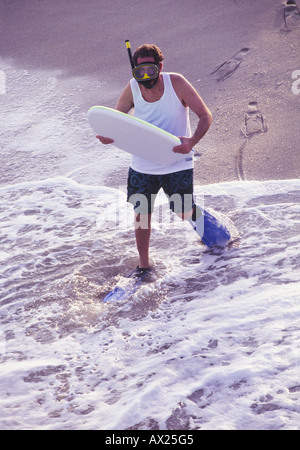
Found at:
<point>129,53</point>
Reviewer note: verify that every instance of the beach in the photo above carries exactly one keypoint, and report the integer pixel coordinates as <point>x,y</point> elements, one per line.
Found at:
<point>85,42</point>
<point>212,341</point>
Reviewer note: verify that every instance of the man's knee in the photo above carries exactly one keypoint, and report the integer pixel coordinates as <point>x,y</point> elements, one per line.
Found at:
<point>142,221</point>
<point>185,215</point>
<point>182,206</point>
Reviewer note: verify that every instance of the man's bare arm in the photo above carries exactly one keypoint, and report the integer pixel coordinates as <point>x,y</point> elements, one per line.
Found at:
<point>190,98</point>
<point>124,104</point>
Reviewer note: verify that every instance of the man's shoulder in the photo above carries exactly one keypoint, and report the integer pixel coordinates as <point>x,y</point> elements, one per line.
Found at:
<point>178,80</point>
<point>177,77</point>
<point>179,84</point>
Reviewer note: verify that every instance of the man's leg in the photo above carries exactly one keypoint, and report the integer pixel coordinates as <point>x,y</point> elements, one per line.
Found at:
<point>185,215</point>
<point>142,225</point>
<point>179,188</point>
<point>141,193</point>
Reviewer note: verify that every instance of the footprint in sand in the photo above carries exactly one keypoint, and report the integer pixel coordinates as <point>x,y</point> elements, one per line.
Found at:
<point>254,121</point>
<point>227,68</point>
<point>291,15</point>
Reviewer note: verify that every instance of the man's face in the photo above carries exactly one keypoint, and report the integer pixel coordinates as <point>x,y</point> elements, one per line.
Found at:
<point>149,59</point>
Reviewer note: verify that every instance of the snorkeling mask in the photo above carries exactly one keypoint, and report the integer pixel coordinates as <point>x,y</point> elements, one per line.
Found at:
<point>146,74</point>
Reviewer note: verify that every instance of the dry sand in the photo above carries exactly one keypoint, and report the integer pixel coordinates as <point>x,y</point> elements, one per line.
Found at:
<point>255,134</point>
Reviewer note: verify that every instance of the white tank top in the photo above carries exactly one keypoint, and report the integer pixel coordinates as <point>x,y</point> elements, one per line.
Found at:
<point>167,113</point>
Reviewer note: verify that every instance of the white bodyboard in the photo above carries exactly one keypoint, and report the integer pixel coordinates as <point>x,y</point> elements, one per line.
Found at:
<point>135,136</point>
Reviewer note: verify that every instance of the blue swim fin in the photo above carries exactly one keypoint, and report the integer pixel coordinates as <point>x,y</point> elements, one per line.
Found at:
<point>211,231</point>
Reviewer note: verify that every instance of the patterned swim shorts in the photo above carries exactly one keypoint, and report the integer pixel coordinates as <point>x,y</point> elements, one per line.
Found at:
<point>142,190</point>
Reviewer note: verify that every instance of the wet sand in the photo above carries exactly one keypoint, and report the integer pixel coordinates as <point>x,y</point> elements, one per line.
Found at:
<point>240,56</point>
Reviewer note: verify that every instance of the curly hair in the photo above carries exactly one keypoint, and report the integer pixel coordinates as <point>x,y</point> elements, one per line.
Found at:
<point>148,50</point>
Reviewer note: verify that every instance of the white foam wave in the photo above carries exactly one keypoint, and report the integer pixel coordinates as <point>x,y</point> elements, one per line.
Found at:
<point>213,343</point>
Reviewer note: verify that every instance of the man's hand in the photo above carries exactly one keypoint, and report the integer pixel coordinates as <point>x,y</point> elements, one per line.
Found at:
<point>185,147</point>
<point>104,140</point>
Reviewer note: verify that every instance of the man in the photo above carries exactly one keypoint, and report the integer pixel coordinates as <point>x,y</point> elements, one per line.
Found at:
<point>162,99</point>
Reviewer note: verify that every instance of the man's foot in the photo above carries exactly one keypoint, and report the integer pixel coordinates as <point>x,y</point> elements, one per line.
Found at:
<point>140,272</point>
